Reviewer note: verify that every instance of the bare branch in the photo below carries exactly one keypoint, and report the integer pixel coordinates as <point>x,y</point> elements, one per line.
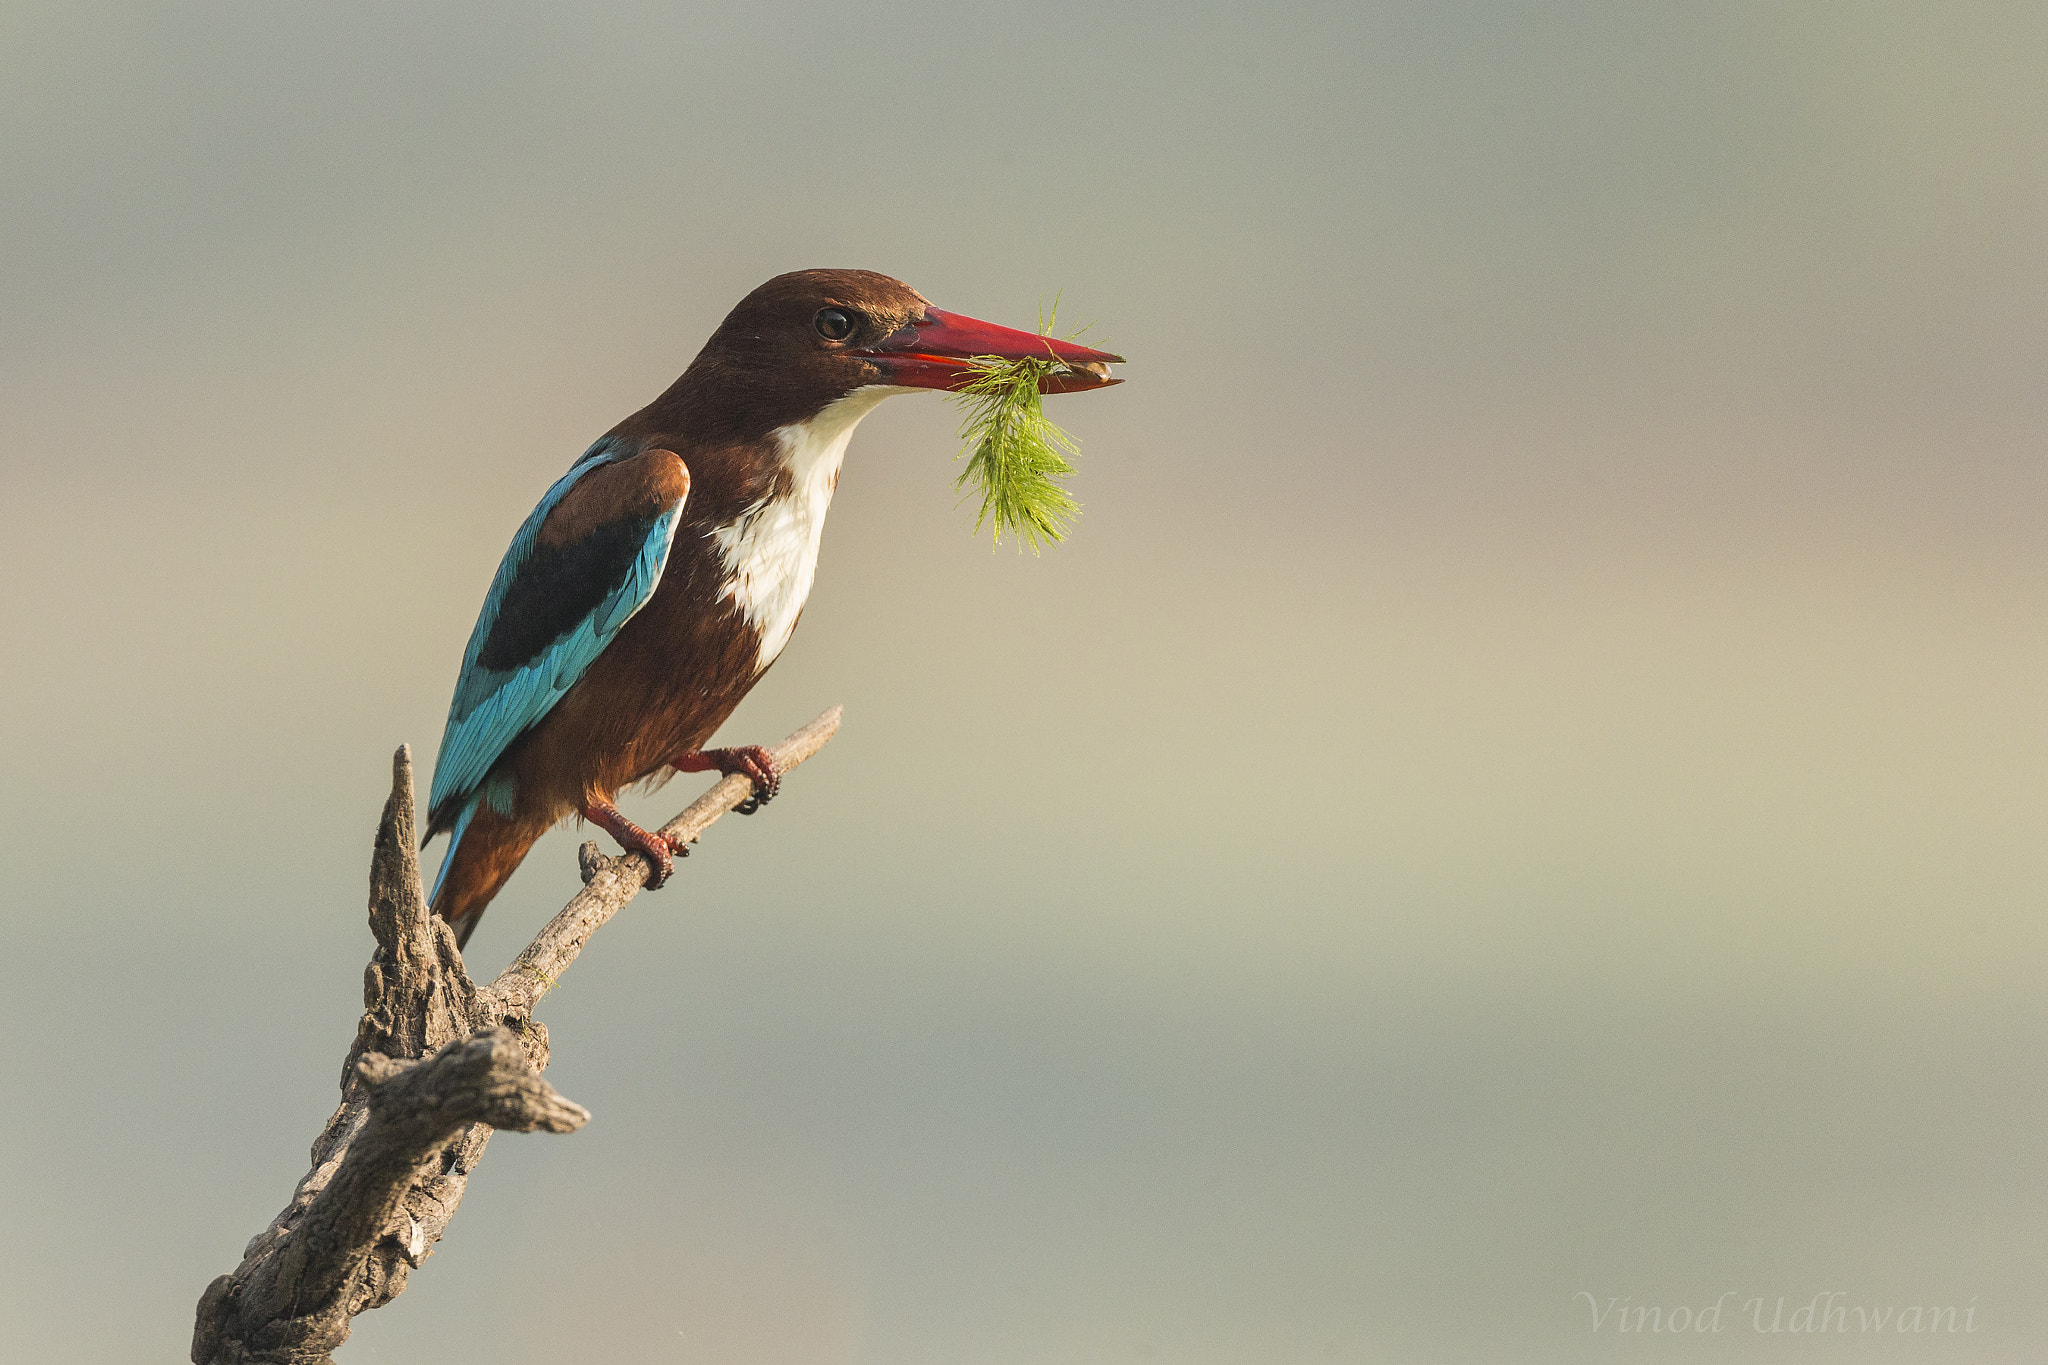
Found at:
<point>390,1168</point>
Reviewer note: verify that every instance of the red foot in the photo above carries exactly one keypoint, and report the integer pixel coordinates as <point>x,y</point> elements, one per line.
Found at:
<point>657,849</point>
<point>753,760</point>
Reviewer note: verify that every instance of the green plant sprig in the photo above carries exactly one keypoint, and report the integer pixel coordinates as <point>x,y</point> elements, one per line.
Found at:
<point>1016,455</point>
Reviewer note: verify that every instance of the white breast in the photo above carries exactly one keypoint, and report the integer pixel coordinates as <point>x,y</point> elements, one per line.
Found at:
<point>770,551</point>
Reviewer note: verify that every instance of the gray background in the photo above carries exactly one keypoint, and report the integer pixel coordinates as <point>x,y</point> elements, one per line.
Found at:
<point>1528,778</point>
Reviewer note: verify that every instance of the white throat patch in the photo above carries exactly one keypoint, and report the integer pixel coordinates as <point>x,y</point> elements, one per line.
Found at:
<point>771,549</point>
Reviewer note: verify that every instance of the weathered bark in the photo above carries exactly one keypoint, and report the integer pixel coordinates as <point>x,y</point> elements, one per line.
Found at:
<point>438,1062</point>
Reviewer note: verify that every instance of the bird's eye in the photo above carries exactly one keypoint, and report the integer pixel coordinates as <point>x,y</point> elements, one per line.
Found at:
<point>835,324</point>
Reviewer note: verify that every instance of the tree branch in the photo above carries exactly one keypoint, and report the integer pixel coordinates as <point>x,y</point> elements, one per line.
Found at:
<point>390,1168</point>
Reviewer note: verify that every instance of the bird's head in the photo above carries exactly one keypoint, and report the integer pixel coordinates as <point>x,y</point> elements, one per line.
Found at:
<point>804,340</point>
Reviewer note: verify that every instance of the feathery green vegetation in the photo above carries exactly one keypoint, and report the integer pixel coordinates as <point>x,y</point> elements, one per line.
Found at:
<point>1016,457</point>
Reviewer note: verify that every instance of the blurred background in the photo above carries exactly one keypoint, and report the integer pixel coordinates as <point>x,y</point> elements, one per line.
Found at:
<point>1525,789</point>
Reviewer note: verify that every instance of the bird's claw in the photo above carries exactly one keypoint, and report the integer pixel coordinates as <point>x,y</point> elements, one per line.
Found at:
<point>660,850</point>
<point>751,760</point>
<point>758,766</point>
<point>659,877</point>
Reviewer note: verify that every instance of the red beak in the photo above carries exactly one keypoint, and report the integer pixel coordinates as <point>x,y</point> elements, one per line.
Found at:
<point>934,353</point>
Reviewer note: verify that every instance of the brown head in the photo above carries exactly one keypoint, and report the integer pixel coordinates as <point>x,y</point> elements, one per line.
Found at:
<point>804,340</point>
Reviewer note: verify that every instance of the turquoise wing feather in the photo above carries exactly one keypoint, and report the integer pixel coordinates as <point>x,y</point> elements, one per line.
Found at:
<point>494,705</point>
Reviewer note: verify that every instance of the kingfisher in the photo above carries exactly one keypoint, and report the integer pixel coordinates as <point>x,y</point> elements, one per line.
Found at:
<point>660,577</point>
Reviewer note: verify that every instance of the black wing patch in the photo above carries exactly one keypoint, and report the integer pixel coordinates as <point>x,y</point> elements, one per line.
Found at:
<point>557,587</point>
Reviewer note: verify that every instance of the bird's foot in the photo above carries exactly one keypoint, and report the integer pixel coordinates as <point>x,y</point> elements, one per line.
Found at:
<point>753,760</point>
<point>659,850</point>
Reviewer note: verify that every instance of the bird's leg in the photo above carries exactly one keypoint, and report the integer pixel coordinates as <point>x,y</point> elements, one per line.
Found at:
<point>658,849</point>
<point>753,760</point>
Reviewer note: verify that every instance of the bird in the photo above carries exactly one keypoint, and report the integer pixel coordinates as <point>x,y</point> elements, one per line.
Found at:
<point>659,578</point>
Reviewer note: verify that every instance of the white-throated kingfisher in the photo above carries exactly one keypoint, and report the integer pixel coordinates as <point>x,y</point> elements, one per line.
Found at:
<point>661,576</point>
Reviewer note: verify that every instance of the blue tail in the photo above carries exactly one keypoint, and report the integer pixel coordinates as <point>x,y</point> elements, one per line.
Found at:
<point>454,838</point>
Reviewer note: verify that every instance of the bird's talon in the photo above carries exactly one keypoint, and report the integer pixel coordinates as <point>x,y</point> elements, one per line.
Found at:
<point>660,850</point>
<point>759,766</point>
<point>751,761</point>
<point>664,864</point>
